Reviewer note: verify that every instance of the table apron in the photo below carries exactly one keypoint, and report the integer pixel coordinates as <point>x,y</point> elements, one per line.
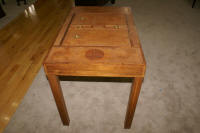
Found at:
<point>95,70</point>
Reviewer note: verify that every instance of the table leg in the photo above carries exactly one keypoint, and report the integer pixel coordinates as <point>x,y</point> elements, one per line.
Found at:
<point>59,99</point>
<point>193,3</point>
<point>113,1</point>
<point>18,2</point>
<point>133,98</point>
<point>3,2</point>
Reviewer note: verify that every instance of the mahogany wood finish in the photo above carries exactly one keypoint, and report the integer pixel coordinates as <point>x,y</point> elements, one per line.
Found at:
<point>24,43</point>
<point>97,41</point>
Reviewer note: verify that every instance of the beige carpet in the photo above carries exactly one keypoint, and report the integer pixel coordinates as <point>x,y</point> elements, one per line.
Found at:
<point>170,97</point>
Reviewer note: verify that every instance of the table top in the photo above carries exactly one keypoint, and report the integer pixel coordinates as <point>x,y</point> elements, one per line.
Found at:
<point>97,41</point>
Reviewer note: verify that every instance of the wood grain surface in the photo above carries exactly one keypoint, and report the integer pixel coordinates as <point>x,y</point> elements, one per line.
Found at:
<point>109,30</point>
<point>97,41</point>
<point>58,96</point>
<point>24,43</point>
<point>133,98</point>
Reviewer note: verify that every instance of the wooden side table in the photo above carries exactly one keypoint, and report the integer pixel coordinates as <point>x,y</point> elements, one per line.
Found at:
<point>97,41</point>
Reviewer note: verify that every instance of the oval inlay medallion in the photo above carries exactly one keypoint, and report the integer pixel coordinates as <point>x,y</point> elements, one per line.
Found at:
<point>94,54</point>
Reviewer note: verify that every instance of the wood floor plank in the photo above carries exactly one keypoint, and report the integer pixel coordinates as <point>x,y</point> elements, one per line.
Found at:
<point>24,43</point>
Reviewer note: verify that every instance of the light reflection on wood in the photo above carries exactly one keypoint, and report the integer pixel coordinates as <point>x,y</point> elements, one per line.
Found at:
<point>24,43</point>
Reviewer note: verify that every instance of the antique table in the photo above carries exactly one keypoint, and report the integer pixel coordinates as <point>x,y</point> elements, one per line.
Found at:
<point>97,41</point>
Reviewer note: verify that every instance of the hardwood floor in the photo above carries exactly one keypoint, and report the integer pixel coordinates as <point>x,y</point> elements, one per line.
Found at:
<point>24,43</point>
